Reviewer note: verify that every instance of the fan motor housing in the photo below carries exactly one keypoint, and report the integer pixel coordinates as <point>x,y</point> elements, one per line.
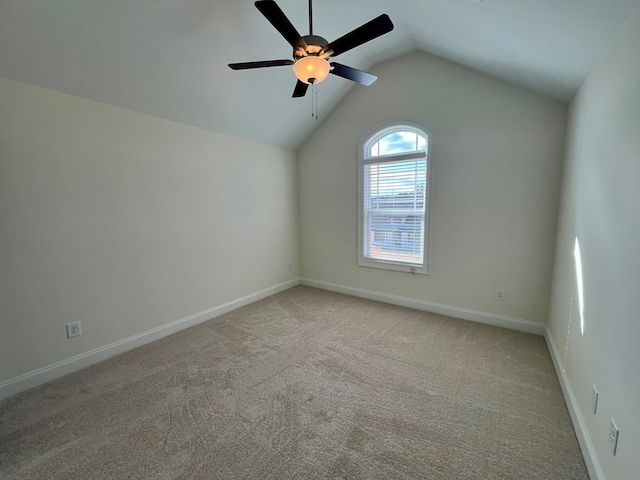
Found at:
<point>315,44</point>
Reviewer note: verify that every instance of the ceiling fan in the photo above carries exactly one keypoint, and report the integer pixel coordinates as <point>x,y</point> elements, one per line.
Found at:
<point>311,53</point>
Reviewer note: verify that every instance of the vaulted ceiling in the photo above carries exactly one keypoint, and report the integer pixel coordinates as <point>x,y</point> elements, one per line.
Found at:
<point>169,58</point>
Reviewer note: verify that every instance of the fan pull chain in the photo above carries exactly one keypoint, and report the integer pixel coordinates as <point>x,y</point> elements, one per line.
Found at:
<point>314,101</point>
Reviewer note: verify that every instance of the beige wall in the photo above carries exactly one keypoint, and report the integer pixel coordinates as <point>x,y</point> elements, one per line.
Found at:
<point>495,189</point>
<point>601,206</point>
<point>127,222</point>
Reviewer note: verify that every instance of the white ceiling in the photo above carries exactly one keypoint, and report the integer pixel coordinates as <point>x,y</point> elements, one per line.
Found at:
<point>169,58</point>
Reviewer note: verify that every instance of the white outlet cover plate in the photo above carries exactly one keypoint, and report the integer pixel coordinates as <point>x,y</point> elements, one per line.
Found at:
<point>73,330</point>
<point>613,436</point>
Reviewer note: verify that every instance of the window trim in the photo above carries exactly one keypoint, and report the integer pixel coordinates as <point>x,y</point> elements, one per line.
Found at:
<point>363,156</point>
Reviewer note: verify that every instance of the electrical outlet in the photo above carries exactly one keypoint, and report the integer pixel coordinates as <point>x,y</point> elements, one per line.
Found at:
<point>499,295</point>
<point>613,436</point>
<point>594,399</point>
<point>73,330</point>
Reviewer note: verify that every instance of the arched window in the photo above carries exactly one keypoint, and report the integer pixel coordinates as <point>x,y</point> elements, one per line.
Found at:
<point>394,179</point>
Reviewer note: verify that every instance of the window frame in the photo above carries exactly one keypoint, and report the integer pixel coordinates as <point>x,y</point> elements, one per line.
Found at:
<point>364,147</point>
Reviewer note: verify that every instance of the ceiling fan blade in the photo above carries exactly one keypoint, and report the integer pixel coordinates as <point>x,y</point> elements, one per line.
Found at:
<point>262,64</point>
<point>353,74</point>
<point>279,20</point>
<point>300,90</point>
<point>364,33</point>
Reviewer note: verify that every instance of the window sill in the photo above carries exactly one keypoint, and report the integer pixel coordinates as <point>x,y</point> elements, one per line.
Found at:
<point>398,267</point>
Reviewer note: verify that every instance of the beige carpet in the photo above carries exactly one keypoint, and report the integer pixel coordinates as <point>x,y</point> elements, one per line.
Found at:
<point>304,384</point>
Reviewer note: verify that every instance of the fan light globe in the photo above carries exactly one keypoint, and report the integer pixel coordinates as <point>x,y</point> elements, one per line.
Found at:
<point>311,70</point>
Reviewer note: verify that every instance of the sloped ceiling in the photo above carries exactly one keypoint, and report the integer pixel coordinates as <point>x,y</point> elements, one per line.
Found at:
<point>168,58</point>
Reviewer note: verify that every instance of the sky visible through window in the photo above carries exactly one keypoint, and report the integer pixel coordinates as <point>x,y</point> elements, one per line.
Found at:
<point>399,142</point>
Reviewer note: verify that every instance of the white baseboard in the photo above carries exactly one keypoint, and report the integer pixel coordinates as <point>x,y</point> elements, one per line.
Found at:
<point>59,369</point>
<point>579,424</point>
<point>463,313</point>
